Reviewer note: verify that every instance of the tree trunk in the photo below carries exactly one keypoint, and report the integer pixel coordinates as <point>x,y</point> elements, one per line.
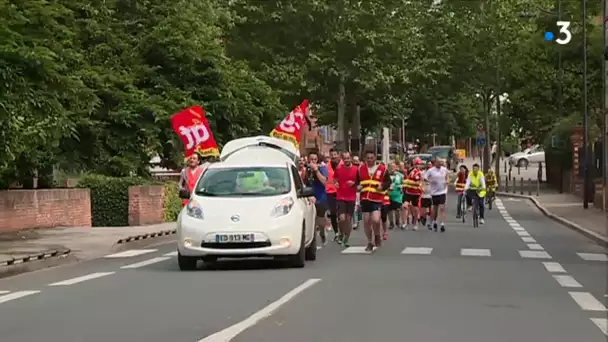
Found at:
<point>341,104</point>
<point>355,131</point>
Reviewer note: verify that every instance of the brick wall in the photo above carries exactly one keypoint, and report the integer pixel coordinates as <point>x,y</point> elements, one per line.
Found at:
<point>146,204</point>
<point>24,209</point>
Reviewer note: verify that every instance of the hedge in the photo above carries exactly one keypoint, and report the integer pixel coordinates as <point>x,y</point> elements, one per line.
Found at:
<point>173,204</point>
<point>110,198</point>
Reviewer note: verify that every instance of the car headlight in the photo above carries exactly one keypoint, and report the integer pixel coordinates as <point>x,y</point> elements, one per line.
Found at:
<point>193,209</point>
<point>283,207</point>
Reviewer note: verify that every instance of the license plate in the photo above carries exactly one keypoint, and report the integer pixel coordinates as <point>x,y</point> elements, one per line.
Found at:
<point>227,238</point>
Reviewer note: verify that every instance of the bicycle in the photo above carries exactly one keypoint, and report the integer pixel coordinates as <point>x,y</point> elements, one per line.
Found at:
<point>463,207</point>
<point>479,196</point>
<point>490,199</point>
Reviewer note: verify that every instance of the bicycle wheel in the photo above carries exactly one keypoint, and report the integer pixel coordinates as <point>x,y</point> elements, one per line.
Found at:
<point>475,213</point>
<point>490,200</point>
<point>463,208</point>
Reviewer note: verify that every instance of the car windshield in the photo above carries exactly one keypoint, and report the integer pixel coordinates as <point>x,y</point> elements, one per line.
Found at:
<point>441,152</point>
<point>244,181</point>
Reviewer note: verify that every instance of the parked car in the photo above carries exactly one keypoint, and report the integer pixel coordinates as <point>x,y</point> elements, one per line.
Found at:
<point>230,215</point>
<point>448,153</point>
<point>534,154</point>
<point>425,157</point>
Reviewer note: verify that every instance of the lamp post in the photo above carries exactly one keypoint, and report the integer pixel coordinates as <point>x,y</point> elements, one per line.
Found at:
<point>586,157</point>
<point>605,71</point>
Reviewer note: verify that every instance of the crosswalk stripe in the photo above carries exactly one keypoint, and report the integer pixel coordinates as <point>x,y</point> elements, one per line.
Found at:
<point>355,250</point>
<point>417,250</point>
<point>593,256</point>
<point>475,252</point>
<point>528,239</point>
<point>534,254</point>
<point>535,247</point>
<point>130,253</point>
<point>566,281</point>
<point>601,323</point>
<point>554,267</point>
<point>587,302</point>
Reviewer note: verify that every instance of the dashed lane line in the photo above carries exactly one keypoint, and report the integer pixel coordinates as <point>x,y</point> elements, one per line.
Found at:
<point>130,253</point>
<point>587,302</point>
<point>146,262</point>
<point>593,256</point>
<point>16,295</point>
<point>566,281</point>
<point>171,254</point>
<point>601,323</point>
<point>81,279</point>
<point>534,254</point>
<point>475,252</point>
<point>535,247</point>
<point>554,267</point>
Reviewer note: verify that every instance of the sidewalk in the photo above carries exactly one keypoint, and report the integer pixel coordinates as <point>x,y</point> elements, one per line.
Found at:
<point>567,209</point>
<point>80,242</point>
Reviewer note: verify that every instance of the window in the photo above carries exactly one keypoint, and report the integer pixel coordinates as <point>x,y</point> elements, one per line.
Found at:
<point>297,180</point>
<point>244,181</point>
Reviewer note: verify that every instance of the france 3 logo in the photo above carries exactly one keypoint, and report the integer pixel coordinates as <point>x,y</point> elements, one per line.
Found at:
<point>564,35</point>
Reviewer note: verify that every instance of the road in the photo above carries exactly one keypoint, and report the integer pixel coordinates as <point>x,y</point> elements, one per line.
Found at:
<point>503,290</point>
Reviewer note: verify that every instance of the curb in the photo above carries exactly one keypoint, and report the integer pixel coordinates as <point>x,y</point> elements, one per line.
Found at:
<point>588,233</point>
<point>147,236</point>
<point>35,257</point>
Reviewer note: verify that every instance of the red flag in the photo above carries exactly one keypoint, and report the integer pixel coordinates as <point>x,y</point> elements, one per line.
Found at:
<point>192,127</point>
<point>290,128</point>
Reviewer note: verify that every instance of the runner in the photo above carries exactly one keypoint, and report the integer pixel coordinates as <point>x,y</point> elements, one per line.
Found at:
<point>413,191</point>
<point>357,216</point>
<point>345,178</point>
<point>461,179</point>
<point>405,213</point>
<point>395,196</point>
<point>317,177</point>
<point>331,190</point>
<point>437,176</point>
<point>426,202</point>
<point>373,181</point>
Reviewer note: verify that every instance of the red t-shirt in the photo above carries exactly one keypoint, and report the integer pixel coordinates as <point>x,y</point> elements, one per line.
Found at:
<point>342,175</point>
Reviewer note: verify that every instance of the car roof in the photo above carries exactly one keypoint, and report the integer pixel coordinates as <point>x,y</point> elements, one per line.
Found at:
<point>245,143</point>
<point>256,156</point>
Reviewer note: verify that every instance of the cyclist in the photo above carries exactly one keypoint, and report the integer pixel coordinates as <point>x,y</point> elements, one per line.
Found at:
<point>492,184</point>
<point>476,182</point>
<point>461,179</point>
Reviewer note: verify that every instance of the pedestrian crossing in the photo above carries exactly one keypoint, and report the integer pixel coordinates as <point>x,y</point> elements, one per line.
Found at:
<point>533,252</point>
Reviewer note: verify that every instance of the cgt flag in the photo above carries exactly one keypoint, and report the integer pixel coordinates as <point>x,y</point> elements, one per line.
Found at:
<point>192,127</point>
<point>290,128</point>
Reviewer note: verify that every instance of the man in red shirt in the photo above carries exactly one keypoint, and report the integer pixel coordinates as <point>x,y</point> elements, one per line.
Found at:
<point>345,179</point>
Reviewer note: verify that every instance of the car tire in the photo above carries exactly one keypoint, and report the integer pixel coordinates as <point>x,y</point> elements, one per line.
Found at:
<point>311,250</point>
<point>298,260</point>
<point>186,263</point>
<point>522,162</point>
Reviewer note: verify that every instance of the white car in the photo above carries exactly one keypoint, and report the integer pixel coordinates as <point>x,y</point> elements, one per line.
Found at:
<point>228,217</point>
<point>534,154</point>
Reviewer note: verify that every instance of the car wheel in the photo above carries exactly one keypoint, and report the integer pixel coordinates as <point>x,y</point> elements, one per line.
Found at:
<point>311,251</point>
<point>186,263</point>
<point>299,259</point>
<point>522,162</point>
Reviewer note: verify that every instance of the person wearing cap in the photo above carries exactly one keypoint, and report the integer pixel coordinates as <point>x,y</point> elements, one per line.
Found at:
<point>413,191</point>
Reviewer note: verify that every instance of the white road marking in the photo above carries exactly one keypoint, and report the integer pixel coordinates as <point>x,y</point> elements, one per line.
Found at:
<point>130,253</point>
<point>534,255</point>
<point>593,256</point>
<point>146,262</point>
<point>587,302</point>
<point>4,292</point>
<point>513,200</point>
<point>510,221</point>
<point>417,250</point>
<point>81,279</point>
<point>518,228</point>
<point>528,239</point>
<point>601,323</point>
<point>523,233</point>
<point>475,252</point>
<point>356,250</point>
<point>233,331</point>
<point>535,247</point>
<point>554,267</point>
<point>567,281</point>
<point>16,295</point>
<point>171,254</point>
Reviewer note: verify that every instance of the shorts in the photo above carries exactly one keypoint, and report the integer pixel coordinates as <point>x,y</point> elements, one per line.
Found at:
<point>384,212</point>
<point>412,199</point>
<point>321,209</point>
<point>370,206</point>
<point>332,204</point>
<point>439,199</point>
<point>345,207</point>
<point>395,205</point>
<point>426,203</point>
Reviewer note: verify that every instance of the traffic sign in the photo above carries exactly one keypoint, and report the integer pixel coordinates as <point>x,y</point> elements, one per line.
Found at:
<point>481,140</point>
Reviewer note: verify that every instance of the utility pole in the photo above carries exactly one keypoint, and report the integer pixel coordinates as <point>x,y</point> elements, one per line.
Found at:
<point>586,156</point>
<point>498,105</point>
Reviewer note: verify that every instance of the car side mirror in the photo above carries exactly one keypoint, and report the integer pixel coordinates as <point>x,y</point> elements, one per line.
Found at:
<point>184,194</point>
<point>306,192</point>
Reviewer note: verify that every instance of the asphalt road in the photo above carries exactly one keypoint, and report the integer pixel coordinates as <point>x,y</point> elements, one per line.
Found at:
<point>436,294</point>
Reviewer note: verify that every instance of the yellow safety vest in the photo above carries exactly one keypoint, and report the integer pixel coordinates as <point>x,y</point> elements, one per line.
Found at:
<point>475,180</point>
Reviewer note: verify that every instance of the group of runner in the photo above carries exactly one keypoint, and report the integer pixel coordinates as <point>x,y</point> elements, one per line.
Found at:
<point>399,194</point>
